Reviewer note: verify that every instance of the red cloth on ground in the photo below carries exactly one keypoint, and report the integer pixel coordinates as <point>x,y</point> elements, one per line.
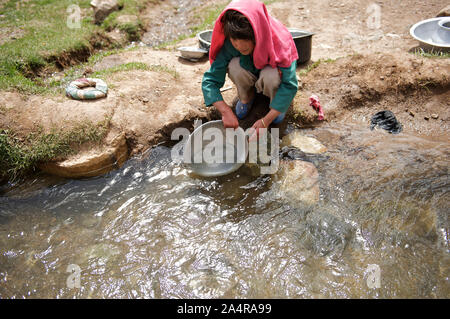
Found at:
<point>314,102</point>
<point>274,45</point>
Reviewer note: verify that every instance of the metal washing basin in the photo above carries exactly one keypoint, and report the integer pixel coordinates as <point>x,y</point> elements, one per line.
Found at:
<point>434,33</point>
<point>209,138</point>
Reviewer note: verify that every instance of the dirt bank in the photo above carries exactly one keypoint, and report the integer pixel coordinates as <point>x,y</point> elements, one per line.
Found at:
<point>375,73</point>
<point>345,27</point>
<point>354,88</point>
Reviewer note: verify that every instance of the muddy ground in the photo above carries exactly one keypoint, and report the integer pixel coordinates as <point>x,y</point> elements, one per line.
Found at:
<point>371,69</point>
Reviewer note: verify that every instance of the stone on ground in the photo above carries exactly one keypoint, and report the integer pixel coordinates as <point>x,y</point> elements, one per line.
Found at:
<point>445,12</point>
<point>102,8</point>
<point>305,143</point>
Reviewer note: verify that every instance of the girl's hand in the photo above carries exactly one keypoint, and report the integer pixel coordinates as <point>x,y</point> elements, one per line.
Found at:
<point>230,120</point>
<point>259,124</point>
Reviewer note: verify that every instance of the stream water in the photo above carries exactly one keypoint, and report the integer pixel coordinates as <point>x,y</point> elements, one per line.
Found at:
<point>151,229</point>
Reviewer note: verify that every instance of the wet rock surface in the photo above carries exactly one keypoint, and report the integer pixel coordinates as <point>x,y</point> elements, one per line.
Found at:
<point>304,143</point>
<point>298,182</point>
<point>324,234</point>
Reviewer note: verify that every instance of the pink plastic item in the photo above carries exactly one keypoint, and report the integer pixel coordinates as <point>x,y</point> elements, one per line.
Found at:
<point>314,102</point>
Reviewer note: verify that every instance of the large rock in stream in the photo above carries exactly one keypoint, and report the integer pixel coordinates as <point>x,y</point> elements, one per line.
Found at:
<point>304,143</point>
<point>298,182</point>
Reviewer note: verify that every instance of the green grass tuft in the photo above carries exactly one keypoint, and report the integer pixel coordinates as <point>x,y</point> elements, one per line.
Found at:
<point>19,156</point>
<point>135,66</point>
<point>314,65</point>
<point>44,35</point>
<point>431,54</point>
<point>132,8</point>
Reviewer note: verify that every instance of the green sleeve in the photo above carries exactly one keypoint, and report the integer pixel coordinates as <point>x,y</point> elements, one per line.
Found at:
<point>287,89</point>
<point>214,78</point>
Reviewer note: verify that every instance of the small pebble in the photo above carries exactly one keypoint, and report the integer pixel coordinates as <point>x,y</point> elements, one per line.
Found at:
<point>411,113</point>
<point>68,221</point>
<point>87,71</point>
<point>427,118</point>
<point>435,116</point>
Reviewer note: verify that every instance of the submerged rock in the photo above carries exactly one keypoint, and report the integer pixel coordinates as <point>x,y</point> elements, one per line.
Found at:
<point>102,252</point>
<point>294,146</point>
<point>251,169</point>
<point>293,153</point>
<point>324,234</point>
<point>298,182</point>
<point>304,143</point>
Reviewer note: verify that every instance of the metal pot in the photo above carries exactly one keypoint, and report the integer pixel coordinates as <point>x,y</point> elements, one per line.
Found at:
<point>432,34</point>
<point>303,43</point>
<point>443,31</point>
<point>302,40</point>
<point>204,38</point>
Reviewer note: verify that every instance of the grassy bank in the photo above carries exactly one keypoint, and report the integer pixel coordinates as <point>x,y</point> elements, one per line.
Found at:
<point>39,36</point>
<point>35,40</point>
<point>19,156</point>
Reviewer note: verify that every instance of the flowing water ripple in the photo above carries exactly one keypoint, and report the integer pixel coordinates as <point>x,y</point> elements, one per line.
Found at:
<point>152,230</point>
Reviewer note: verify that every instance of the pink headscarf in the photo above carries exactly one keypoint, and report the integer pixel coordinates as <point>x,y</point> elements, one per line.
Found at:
<point>274,45</point>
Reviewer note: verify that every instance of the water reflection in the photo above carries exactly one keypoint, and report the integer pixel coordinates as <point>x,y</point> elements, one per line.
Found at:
<point>153,230</point>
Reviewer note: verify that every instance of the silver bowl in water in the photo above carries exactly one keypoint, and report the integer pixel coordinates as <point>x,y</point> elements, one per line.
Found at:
<point>209,138</point>
<point>434,33</point>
